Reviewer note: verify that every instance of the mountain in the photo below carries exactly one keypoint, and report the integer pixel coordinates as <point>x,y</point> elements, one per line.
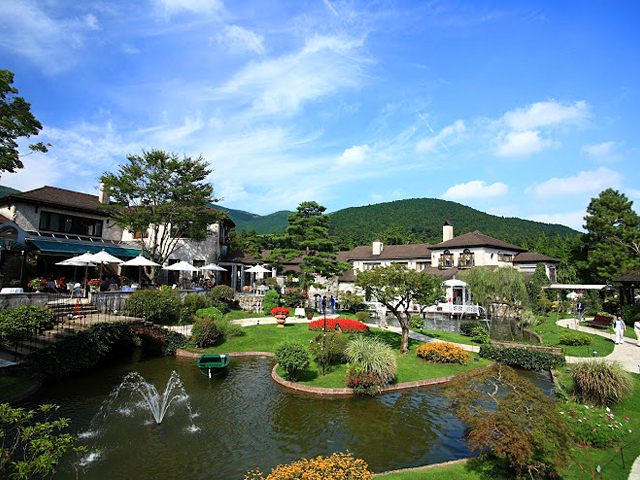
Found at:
<point>272,223</point>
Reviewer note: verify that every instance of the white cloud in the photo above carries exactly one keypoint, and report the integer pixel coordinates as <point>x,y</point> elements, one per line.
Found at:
<point>239,40</point>
<point>521,144</point>
<point>475,189</point>
<point>353,156</point>
<point>585,182</point>
<point>543,114</point>
<point>574,219</point>
<point>193,6</point>
<point>604,152</point>
<point>50,42</point>
<point>280,86</point>
<point>447,135</point>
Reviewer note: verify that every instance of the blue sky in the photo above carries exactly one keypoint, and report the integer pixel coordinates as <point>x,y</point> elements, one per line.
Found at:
<point>525,109</point>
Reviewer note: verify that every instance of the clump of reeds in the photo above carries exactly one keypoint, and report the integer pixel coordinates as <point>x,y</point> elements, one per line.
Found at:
<point>600,383</point>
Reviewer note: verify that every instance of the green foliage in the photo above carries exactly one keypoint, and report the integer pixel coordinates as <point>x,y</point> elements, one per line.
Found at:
<point>528,318</point>
<point>536,282</point>
<point>329,349</point>
<point>362,317</point>
<point>416,322</point>
<point>361,382</point>
<point>502,286</point>
<point>159,192</point>
<point>631,313</point>
<point>293,357</point>
<point>270,301</point>
<point>32,443</point>
<point>294,297</point>
<point>81,351</point>
<point>351,302</point>
<point>173,341</point>
<point>600,383</point>
<point>511,418</point>
<point>194,302</point>
<point>23,322</point>
<point>17,121</point>
<point>595,427</point>
<point>467,327</point>
<point>221,306</point>
<point>574,339</point>
<point>224,293</point>
<point>204,332</point>
<point>528,359</point>
<point>224,326</point>
<point>374,356</point>
<point>158,306</point>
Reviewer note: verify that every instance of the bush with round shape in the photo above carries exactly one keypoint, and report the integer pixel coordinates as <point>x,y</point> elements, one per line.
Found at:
<point>329,349</point>
<point>24,321</point>
<point>272,283</point>
<point>600,383</point>
<point>374,356</point>
<point>270,301</point>
<point>223,293</point>
<point>574,339</point>
<point>416,322</point>
<point>158,306</point>
<point>362,316</point>
<point>442,352</point>
<point>294,298</point>
<point>194,302</point>
<point>220,306</point>
<point>205,332</point>
<point>293,357</point>
<point>341,466</point>
<point>351,302</point>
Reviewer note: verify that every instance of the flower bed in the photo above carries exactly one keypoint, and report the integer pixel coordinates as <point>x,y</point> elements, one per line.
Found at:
<point>345,324</point>
<point>594,426</point>
<point>442,352</point>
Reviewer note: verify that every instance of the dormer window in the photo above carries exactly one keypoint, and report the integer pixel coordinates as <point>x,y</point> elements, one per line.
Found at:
<point>446,260</point>
<point>466,259</point>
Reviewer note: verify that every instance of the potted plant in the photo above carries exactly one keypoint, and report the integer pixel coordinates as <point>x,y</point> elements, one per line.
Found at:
<point>38,284</point>
<point>94,284</point>
<point>281,314</point>
<point>309,311</point>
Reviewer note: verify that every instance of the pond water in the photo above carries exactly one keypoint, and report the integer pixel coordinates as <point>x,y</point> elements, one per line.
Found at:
<point>241,420</point>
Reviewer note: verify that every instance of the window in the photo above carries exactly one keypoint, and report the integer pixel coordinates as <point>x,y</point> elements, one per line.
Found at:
<point>446,260</point>
<point>370,266</point>
<point>505,257</point>
<point>63,223</point>
<point>421,266</point>
<point>466,259</point>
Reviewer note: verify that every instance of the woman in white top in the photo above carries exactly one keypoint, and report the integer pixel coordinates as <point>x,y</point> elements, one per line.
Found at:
<point>619,327</point>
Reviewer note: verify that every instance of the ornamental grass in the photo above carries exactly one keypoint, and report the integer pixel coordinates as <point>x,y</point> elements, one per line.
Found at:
<point>600,383</point>
<point>346,325</point>
<point>339,466</point>
<point>442,352</point>
<point>374,357</point>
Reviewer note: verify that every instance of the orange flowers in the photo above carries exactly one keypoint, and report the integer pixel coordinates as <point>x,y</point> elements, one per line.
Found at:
<point>339,466</point>
<point>442,352</point>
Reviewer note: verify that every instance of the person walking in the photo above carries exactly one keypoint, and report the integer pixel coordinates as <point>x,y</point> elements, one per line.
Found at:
<point>619,328</point>
<point>636,328</point>
<point>580,310</point>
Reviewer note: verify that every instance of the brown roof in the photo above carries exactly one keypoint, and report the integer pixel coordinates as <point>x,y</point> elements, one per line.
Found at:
<point>390,252</point>
<point>628,278</point>
<point>533,257</point>
<point>476,239</point>
<point>58,198</point>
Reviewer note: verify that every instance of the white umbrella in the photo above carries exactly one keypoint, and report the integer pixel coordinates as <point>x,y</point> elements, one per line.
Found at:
<point>215,267</point>
<point>101,257</point>
<point>72,263</point>
<point>140,262</point>
<point>182,266</point>
<point>257,269</point>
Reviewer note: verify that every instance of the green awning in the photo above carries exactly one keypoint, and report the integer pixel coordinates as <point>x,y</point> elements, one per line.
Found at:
<point>72,248</point>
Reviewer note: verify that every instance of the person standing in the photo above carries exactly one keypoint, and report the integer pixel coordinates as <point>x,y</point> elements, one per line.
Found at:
<point>580,310</point>
<point>619,328</point>
<point>332,302</point>
<point>636,328</point>
<point>324,304</point>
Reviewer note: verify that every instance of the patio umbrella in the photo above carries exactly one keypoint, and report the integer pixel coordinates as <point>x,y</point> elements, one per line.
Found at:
<point>182,266</point>
<point>69,262</point>
<point>101,257</point>
<point>140,261</point>
<point>257,269</point>
<point>214,267</point>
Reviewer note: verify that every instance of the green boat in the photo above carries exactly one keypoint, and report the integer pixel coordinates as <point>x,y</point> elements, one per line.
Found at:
<point>212,364</point>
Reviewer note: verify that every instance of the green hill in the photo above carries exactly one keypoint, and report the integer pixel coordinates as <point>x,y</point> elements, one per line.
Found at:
<point>272,223</point>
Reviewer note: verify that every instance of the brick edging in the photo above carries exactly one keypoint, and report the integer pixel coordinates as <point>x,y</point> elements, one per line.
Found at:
<point>21,396</point>
<point>186,354</point>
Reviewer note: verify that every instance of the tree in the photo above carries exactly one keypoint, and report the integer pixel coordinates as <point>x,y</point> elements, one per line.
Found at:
<point>613,238</point>
<point>500,287</point>
<point>510,417</point>
<point>535,284</point>
<point>162,197</point>
<point>397,288</point>
<point>307,237</point>
<point>16,121</point>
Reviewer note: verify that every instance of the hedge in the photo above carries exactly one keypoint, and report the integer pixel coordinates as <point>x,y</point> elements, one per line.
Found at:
<point>522,357</point>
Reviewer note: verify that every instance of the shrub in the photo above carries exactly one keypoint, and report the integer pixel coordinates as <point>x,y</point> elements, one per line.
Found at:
<point>222,307</point>
<point>574,339</point>
<point>528,318</point>
<point>329,349</point>
<point>172,341</point>
<point>522,357</point>
<point>294,297</point>
<point>205,332</point>
<point>600,383</point>
<point>24,321</point>
<point>293,357</point>
<point>351,302</point>
<point>476,331</point>
<point>374,356</point>
<point>362,316</point>
<point>224,293</point>
<point>596,427</point>
<point>442,352</point>
<point>272,283</point>
<point>210,312</point>
<point>338,466</point>
<point>631,313</point>
<point>467,327</point>
<point>228,329</point>
<point>416,321</point>
<point>158,306</point>
<point>270,301</point>
<point>344,324</point>
<point>194,302</point>
<point>361,382</point>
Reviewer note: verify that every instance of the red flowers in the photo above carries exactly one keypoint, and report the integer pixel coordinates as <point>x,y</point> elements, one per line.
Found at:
<point>280,311</point>
<point>345,324</point>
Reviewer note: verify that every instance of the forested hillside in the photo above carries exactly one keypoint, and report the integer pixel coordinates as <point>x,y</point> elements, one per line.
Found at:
<point>421,220</point>
<point>273,223</point>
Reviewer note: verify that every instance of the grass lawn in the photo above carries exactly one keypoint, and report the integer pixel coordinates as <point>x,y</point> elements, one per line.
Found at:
<point>550,333</point>
<point>240,314</point>
<point>265,338</point>
<point>10,386</point>
<point>448,337</point>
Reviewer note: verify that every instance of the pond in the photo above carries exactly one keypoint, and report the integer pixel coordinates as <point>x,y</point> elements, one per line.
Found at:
<point>243,420</point>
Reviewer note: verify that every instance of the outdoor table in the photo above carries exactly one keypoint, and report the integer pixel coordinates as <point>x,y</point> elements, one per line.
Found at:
<point>11,290</point>
<point>299,312</point>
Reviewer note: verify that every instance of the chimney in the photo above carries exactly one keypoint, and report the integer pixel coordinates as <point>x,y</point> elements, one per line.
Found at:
<point>447,231</point>
<point>377,247</point>
<point>103,196</point>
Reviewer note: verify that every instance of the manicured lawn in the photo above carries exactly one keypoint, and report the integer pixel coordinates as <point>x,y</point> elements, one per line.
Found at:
<point>449,337</point>
<point>550,333</point>
<point>10,386</point>
<point>240,314</point>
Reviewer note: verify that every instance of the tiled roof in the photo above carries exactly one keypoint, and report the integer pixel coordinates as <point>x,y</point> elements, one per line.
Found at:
<point>628,278</point>
<point>391,252</point>
<point>476,239</point>
<point>533,257</point>
<point>57,197</point>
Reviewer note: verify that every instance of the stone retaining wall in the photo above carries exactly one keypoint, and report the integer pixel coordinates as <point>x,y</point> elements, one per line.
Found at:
<point>250,303</point>
<point>16,299</point>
